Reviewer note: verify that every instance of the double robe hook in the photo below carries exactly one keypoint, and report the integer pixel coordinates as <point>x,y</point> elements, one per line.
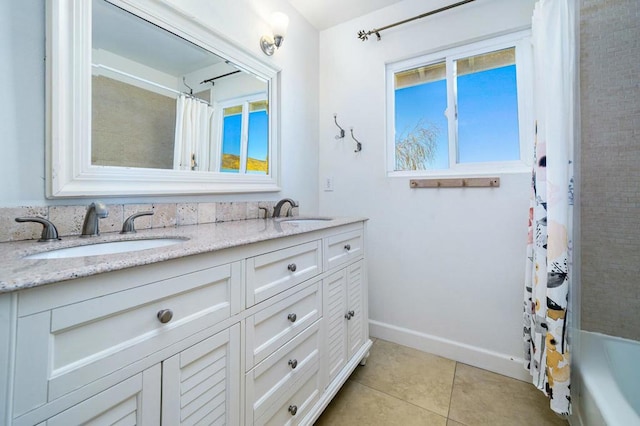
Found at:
<point>342,133</point>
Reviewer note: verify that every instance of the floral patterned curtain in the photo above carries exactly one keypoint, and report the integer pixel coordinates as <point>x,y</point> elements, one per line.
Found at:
<point>548,278</point>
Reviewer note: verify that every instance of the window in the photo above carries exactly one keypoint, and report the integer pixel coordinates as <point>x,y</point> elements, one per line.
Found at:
<point>244,136</point>
<point>460,111</point>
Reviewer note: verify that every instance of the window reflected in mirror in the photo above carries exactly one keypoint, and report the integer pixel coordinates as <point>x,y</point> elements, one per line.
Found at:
<point>245,136</point>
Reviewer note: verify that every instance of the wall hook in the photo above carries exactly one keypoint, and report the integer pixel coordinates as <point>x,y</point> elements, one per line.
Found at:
<point>358,144</point>
<point>335,119</point>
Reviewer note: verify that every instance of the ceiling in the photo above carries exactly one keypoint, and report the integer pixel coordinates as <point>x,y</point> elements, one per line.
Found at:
<point>324,14</point>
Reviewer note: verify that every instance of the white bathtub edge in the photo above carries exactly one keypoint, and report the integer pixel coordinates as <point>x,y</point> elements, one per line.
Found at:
<point>598,384</point>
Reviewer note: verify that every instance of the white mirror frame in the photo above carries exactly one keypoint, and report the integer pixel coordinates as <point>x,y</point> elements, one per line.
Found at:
<point>69,169</point>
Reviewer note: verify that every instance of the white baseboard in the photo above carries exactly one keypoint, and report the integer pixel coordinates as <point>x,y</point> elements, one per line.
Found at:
<point>506,365</point>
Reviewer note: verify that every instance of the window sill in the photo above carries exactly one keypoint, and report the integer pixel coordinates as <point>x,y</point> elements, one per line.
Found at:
<point>466,171</point>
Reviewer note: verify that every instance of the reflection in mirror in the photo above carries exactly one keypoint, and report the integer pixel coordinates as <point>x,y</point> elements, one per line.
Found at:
<point>161,102</point>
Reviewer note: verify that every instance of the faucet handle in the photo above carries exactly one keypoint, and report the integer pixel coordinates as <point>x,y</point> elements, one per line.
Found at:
<point>266,211</point>
<point>49,231</point>
<point>128,225</point>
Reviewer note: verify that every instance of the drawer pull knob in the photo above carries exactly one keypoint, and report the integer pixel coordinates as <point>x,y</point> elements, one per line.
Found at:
<point>292,317</point>
<point>350,315</point>
<point>347,247</point>
<point>293,363</point>
<point>292,267</point>
<point>293,409</point>
<point>165,315</point>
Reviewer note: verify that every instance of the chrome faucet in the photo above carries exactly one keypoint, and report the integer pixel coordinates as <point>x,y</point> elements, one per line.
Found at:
<point>278,208</point>
<point>95,212</point>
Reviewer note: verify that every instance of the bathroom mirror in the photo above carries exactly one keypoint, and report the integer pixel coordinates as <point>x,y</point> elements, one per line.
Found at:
<point>144,100</point>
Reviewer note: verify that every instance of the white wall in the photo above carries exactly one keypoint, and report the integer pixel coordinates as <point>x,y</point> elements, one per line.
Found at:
<point>22,112</point>
<point>446,267</point>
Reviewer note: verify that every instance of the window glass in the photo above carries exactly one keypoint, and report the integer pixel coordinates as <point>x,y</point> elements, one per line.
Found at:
<point>421,134</point>
<point>258,138</point>
<point>457,111</point>
<point>231,139</point>
<point>487,108</point>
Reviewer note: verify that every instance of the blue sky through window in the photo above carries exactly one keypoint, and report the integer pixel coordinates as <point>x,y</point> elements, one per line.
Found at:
<point>424,103</point>
<point>487,103</point>
<point>258,135</point>
<point>231,132</point>
<point>488,116</point>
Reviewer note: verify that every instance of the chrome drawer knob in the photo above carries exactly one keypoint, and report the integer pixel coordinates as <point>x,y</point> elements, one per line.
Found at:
<point>293,409</point>
<point>165,315</point>
<point>347,247</point>
<point>292,267</point>
<point>293,363</point>
<point>292,317</point>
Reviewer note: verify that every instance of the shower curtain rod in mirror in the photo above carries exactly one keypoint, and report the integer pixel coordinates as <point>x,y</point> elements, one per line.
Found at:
<point>152,83</point>
<point>364,35</point>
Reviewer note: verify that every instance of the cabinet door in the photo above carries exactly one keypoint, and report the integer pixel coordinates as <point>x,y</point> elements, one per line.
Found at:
<point>335,307</point>
<point>135,401</point>
<point>357,321</point>
<point>345,315</point>
<point>201,385</point>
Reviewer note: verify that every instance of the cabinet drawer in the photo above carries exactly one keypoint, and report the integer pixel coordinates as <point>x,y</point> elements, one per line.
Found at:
<point>275,325</point>
<point>62,349</point>
<point>270,378</point>
<point>272,273</point>
<point>295,404</point>
<point>341,248</point>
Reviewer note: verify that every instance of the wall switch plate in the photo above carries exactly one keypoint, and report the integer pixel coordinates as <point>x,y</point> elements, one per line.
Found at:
<point>327,183</point>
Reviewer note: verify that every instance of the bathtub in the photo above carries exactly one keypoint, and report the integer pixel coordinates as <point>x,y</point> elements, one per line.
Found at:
<point>609,371</point>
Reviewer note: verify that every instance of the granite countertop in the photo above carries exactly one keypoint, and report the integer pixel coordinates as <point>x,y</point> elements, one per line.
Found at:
<point>18,273</point>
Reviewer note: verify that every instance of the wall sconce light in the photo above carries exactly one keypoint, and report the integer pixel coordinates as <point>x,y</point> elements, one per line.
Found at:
<point>279,23</point>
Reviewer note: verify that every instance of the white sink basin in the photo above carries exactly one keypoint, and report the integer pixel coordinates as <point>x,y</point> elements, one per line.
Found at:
<point>105,248</point>
<point>303,220</point>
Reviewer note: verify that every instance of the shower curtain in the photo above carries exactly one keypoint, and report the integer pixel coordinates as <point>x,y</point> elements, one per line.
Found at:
<point>194,124</point>
<point>548,278</point>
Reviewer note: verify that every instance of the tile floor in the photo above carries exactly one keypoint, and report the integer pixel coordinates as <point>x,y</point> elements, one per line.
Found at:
<point>403,386</point>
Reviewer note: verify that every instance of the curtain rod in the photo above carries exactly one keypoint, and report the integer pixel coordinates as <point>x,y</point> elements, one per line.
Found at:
<point>364,35</point>
<point>211,80</point>
<point>152,83</point>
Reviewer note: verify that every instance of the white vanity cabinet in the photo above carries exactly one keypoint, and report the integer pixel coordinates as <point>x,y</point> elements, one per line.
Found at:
<point>264,333</point>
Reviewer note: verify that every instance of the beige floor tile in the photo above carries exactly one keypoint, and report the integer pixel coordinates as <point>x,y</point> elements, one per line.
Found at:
<point>483,398</point>
<point>419,378</point>
<point>454,423</point>
<point>356,404</point>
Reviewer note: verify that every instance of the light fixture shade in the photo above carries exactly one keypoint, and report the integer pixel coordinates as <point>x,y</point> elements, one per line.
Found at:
<point>279,24</point>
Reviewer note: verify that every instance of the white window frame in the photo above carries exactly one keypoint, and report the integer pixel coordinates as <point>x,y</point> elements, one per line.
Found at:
<point>244,132</point>
<point>524,77</point>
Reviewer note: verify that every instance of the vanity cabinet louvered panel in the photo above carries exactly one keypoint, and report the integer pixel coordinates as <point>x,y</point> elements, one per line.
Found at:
<point>344,315</point>
<point>335,308</point>
<point>201,385</point>
<point>135,401</point>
